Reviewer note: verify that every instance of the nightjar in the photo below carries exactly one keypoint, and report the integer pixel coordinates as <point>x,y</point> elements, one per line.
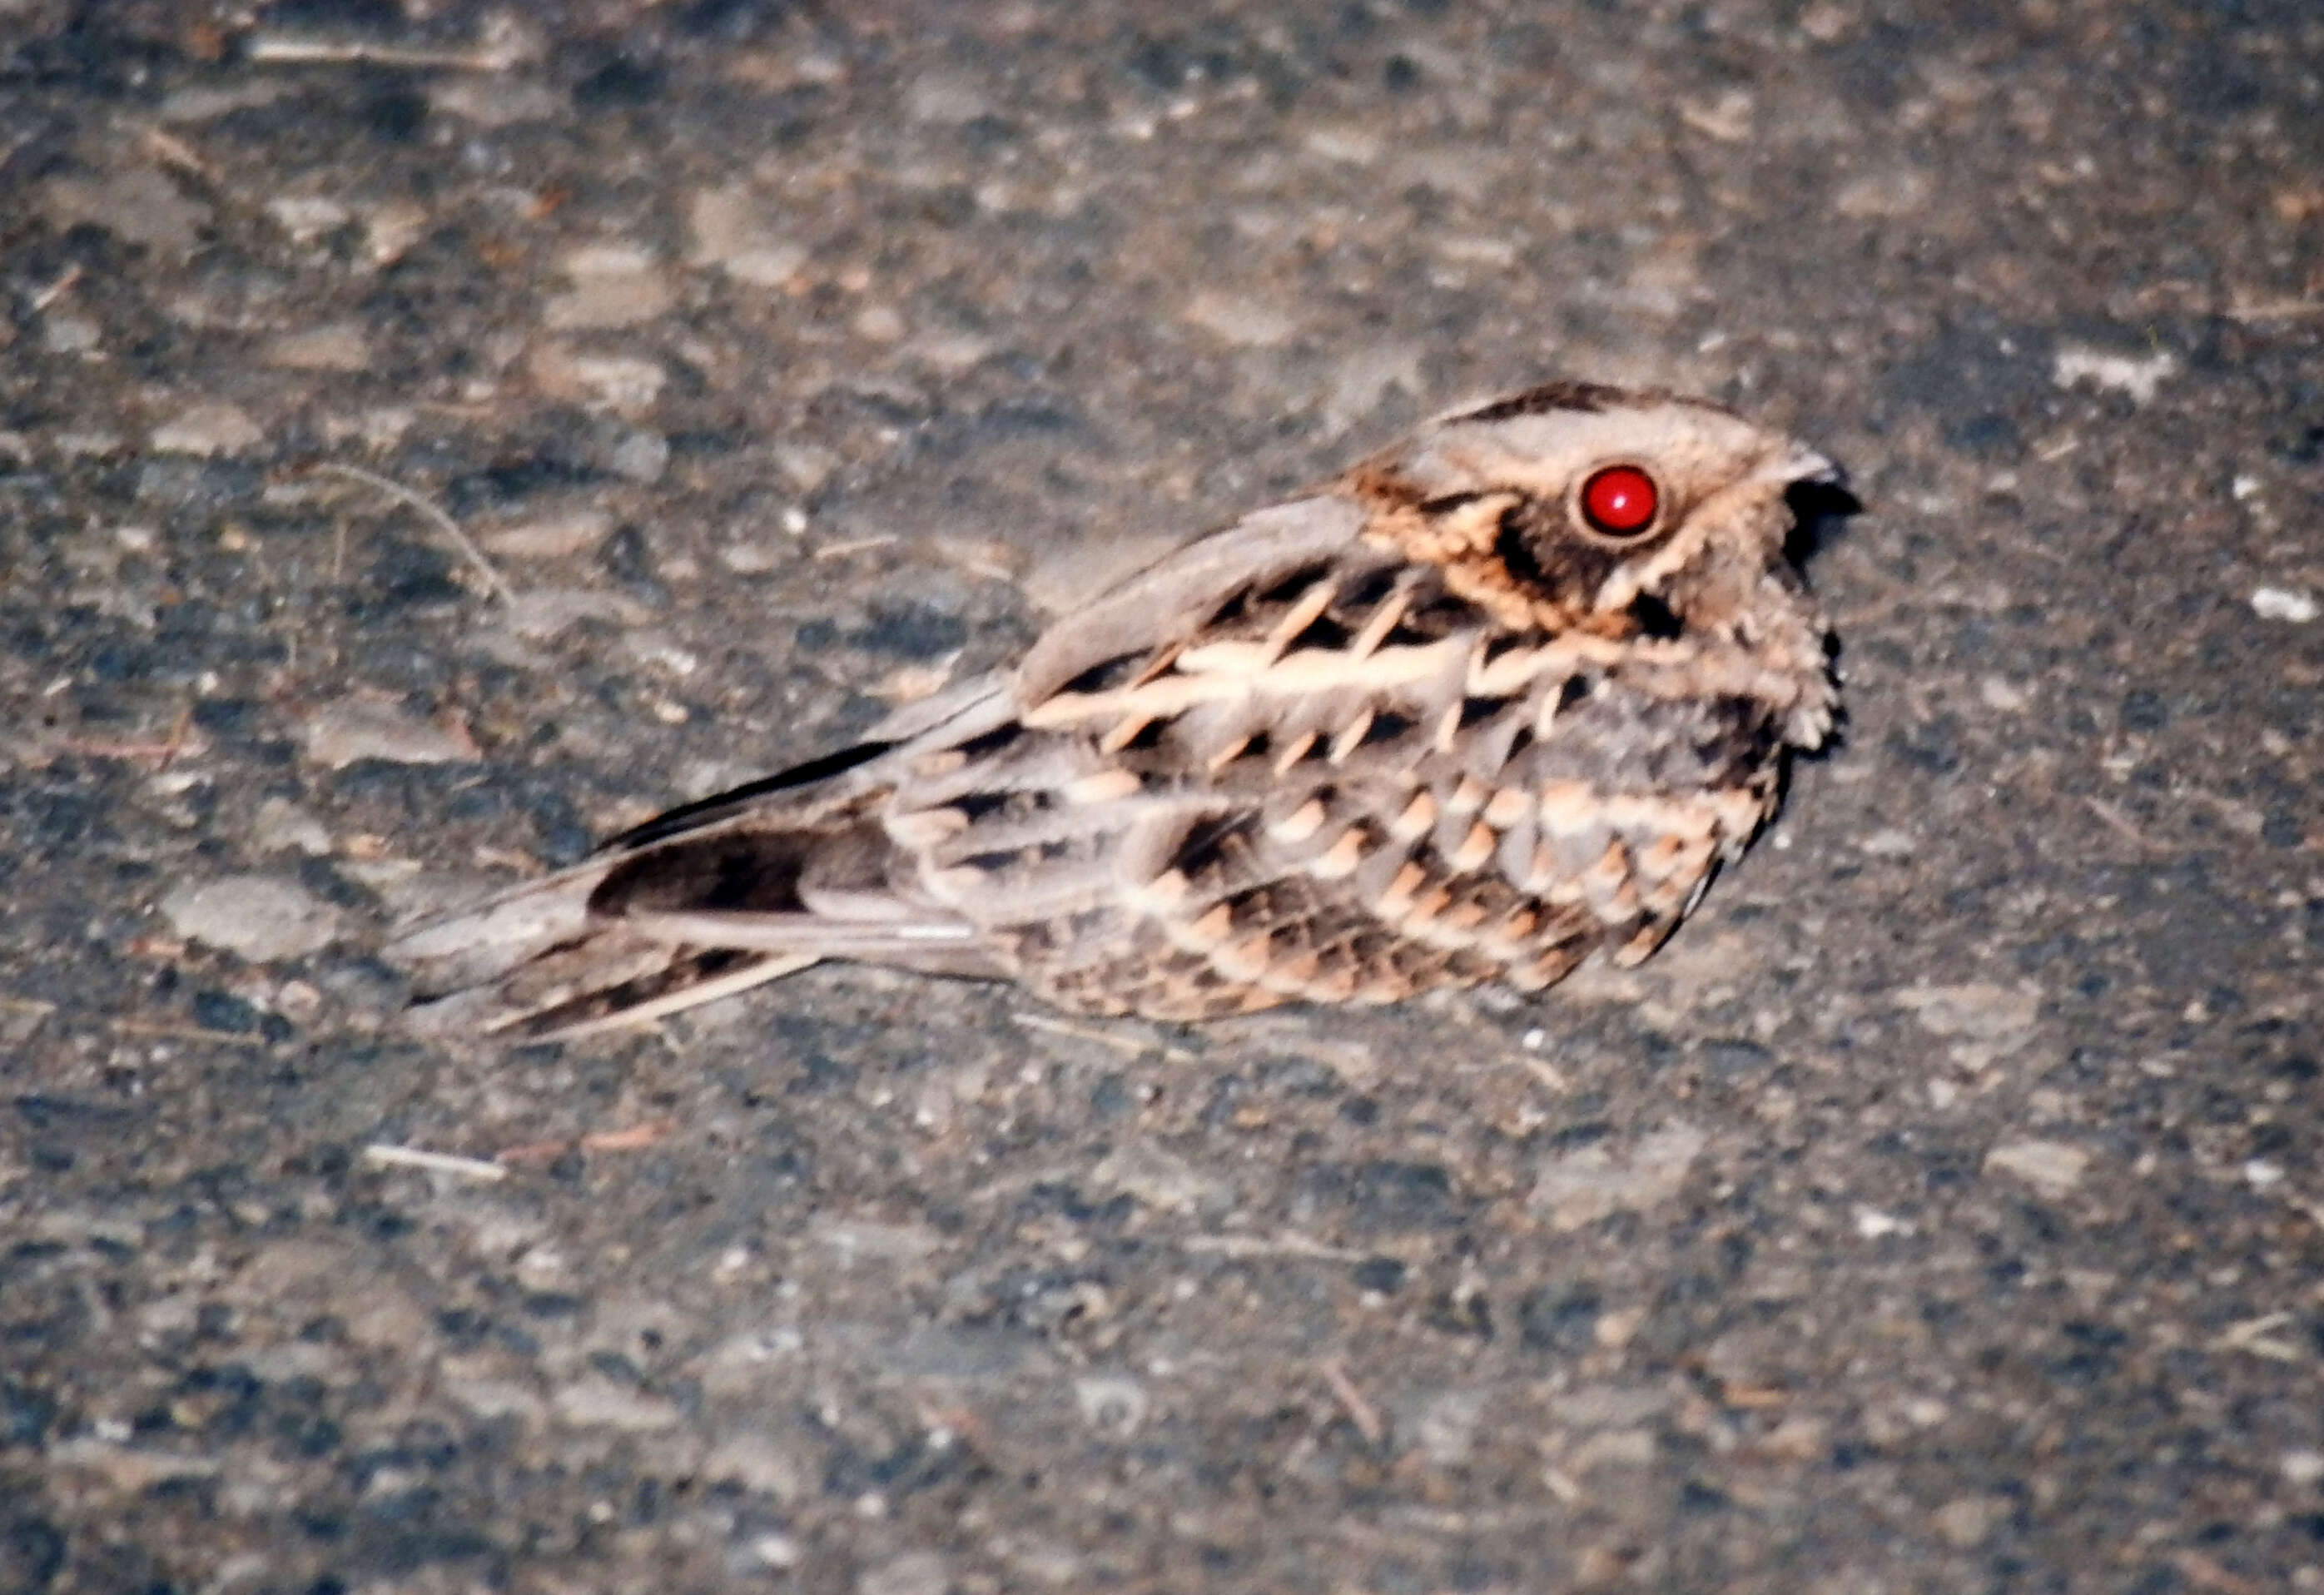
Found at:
<point>1499,699</point>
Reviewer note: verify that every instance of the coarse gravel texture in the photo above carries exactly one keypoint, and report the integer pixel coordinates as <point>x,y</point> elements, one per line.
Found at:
<point>1941,1212</point>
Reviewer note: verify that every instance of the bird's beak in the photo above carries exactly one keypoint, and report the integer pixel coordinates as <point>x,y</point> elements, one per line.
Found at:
<point>1797,464</point>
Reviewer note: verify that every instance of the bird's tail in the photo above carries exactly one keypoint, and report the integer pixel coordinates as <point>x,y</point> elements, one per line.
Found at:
<point>700,904</point>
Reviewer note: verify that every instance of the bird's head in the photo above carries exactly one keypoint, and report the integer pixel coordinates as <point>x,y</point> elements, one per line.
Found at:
<point>1626,513</point>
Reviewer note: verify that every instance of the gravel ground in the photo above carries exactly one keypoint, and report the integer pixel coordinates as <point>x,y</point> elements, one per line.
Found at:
<point>1941,1211</point>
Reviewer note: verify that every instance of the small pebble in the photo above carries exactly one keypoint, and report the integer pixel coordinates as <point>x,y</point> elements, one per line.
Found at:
<point>1977,1010</point>
<point>261,917</point>
<point>750,558</point>
<point>762,1462</point>
<point>1883,195</point>
<point>389,231</point>
<point>138,205</point>
<point>539,614</point>
<point>1965,1523</point>
<point>282,825</point>
<point>81,443</point>
<point>806,466</point>
<point>307,217</point>
<point>946,100</point>
<point>2112,373</point>
<point>2284,603</point>
<point>595,1402</point>
<point>881,323</point>
<point>641,457</point>
<point>342,732</point>
<point>1163,1180</point>
<point>1354,146</point>
<point>1583,1186</point>
<point>62,334</point>
<point>618,382</point>
<point>341,346</point>
<point>2002,695</point>
<point>551,537</point>
<point>776,1550</point>
<point>614,286</point>
<point>732,232</point>
<point>1113,1405</point>
<point>1245,323</point>
<point>2052,1166</point>
<point>916,1572</point>
<point>209,429</point>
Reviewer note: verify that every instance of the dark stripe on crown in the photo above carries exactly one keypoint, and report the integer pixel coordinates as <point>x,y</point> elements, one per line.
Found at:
<point>1589,398</point>
<point>1579,398</point>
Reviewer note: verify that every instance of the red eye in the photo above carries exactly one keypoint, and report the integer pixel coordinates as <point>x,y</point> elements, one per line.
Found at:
<point>1619,501</point>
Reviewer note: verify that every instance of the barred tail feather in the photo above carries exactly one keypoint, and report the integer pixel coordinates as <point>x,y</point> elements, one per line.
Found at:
<point>704,903</point>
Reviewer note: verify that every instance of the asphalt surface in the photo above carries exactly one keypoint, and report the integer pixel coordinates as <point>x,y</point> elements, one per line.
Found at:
<point>1941,1212</point>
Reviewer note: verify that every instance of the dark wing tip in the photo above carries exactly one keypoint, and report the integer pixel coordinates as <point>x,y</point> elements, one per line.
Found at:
<point>689,816</point>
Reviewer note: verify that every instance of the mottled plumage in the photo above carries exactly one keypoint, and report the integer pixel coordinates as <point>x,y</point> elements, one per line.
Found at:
<point>1486,704</point>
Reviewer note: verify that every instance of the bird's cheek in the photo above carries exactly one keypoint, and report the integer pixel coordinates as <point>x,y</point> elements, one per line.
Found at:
<point>1712,589</point>
<point>1759,523</point>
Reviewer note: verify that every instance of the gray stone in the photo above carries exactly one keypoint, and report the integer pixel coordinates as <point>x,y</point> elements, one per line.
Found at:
<point>261,917</point>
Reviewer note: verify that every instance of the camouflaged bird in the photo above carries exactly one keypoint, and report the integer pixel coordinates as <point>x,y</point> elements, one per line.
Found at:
<point>1501,697</point>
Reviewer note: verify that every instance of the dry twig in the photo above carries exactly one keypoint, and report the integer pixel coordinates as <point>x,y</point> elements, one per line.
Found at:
<point>1129,1046</point>
<point>1286,1244</point>
<point>855,545</point>
<point>56,290</point>
<point>291,50</point>
<point>381,1156</point>
<point>2290,309</point>
<point>160,1030</point>
<point>635,1137</point>
<point>434,516</point>
<point>1361,1412</point>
